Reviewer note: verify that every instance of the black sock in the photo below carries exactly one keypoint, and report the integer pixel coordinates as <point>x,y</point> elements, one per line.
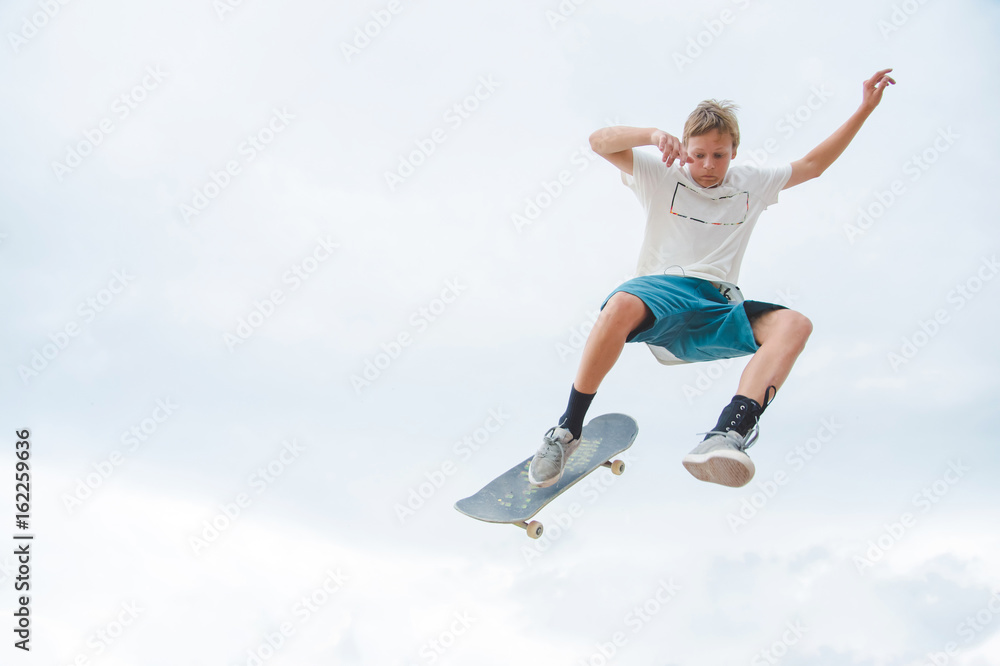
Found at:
<point>576,411</point>
<point>741,414</point>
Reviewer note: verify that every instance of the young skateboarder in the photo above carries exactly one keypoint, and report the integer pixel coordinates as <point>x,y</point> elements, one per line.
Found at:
<point>699,216</point>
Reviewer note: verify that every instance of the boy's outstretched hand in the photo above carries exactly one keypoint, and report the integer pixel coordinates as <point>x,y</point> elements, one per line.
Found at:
<point>822,156</point>
<point>874,86</point>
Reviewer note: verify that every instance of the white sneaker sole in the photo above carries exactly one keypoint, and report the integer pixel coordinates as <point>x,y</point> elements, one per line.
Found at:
<point>726,468</point>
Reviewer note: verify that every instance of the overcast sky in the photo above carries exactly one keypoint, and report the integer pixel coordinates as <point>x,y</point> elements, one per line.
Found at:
<point>286,280</point>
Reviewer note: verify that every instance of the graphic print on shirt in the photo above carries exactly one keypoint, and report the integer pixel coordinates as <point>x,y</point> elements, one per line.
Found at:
<point>728,210</point>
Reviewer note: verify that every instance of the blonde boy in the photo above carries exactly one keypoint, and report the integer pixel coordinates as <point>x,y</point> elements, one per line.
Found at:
<point>699,216</point>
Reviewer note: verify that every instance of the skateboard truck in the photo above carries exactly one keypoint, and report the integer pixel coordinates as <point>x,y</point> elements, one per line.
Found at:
<point>535,528</point>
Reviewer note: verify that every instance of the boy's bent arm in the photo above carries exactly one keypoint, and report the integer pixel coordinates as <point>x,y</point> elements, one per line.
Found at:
<point>823,155</point>
<point>615,144</point>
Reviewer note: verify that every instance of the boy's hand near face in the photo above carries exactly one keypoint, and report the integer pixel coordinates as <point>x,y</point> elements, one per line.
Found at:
<point>671,147</point>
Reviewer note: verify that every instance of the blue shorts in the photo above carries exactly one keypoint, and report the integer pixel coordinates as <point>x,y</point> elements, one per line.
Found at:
<point>692,319</point>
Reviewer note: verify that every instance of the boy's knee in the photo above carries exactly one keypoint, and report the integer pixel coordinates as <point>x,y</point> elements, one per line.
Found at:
<point>804,324</point>
<point>788,325</point>
<point>623,310</point>
<point>798,325</point>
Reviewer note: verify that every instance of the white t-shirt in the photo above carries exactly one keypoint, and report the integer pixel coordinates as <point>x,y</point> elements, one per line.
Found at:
<point>697,231</point>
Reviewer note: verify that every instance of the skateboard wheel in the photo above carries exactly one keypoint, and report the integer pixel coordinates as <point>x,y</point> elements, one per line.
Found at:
<point>534,529</point>
<point>618,467</point>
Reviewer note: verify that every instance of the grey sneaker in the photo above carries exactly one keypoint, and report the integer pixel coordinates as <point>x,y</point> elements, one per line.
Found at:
<point>547,466</point>
<point>721,459</point>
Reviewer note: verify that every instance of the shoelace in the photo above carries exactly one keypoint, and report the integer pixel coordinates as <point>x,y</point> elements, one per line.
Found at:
<point>548,450</point>
<point>738,441</point>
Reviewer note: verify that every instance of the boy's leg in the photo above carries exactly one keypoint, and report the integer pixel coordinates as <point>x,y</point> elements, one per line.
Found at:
<point>622,314</point>
<point>782,336</point>
<point>720,458</point>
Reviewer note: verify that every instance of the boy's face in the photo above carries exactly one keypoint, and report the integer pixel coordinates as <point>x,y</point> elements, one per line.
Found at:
<point>710,155</point>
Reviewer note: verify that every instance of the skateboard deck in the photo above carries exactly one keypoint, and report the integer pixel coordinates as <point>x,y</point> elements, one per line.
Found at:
<point>511,499</point>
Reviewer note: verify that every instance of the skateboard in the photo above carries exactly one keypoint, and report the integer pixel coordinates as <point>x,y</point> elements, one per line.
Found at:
<point>511,499</point>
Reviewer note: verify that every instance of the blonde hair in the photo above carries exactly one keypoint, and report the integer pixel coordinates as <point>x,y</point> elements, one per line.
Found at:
<point>713,115</point>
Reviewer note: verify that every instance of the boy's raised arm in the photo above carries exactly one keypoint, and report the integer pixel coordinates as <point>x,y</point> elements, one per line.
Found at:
<point>823,155</point>
<point>615,144</point>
